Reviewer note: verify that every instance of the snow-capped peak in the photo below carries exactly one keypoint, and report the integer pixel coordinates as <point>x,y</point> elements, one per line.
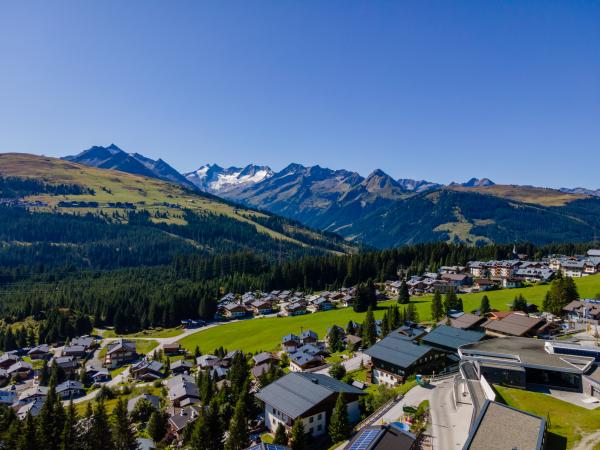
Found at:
<point>215,179</point>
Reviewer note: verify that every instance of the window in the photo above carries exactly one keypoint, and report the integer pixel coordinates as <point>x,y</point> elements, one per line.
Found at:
<point>319,416</point>
<point>319,427</point>
<point>311,420</point>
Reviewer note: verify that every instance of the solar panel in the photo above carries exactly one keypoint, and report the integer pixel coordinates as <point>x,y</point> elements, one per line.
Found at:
<point>364,440</point>
<point>274,447</point>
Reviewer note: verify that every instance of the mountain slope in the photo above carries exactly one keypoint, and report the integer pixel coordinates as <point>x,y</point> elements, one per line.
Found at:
<point>383,212</point>
<point>112,157</point>
<point>117,195</point>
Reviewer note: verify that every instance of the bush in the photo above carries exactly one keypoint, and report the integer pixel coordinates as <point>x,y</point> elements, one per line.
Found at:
<point>337,371</point>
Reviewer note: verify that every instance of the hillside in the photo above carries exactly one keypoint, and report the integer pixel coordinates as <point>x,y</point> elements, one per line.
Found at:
<point>66,197</point>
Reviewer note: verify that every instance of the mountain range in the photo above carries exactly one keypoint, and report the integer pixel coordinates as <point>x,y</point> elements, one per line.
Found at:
<point>382,211</point>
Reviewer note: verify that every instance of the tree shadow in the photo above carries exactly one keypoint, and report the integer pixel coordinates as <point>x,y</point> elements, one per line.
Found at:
<point>555,442</point>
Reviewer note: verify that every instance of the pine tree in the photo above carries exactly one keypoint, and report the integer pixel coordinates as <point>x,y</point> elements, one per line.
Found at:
<point>334,339</point>
<point>437,309</point>
<point>450,301</point>
<point>100,436</point>
<point>339,427</point>
<point>484,307</point>
<point>238,429</point>
<point>299,437</point>
<point>157,426</point>
<point>123,437</point>
<point>369,327</point>
<point>411,313</point>
<point>51,419</point>
<point>404,296</point>
<point>280,435</point>
<point>208,433</point>
<point>69,437</point>
<point>28,439</point>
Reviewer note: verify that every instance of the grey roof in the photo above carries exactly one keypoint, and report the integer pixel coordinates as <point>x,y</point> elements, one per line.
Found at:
<point>74,349</point>
<point>297,392</point>
<point>153,399</point>
<point>121,344</point>
<point>397,350</point>
<point>84,341</point>
<point>501,427</point>
<point>450,337</point>
<point>68,385</point>
<point>262,357</point>
<point>467,320</point>
<point>43,348</point>
<point>185,389</point>
<point>302,359</point>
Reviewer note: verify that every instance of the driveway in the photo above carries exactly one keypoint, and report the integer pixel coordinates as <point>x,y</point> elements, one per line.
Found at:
<point>349,364</point>
<point>413,397</point>
<point>450,422</point>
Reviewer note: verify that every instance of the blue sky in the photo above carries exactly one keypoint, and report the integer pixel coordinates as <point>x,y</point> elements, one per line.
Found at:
<point>434,90</point>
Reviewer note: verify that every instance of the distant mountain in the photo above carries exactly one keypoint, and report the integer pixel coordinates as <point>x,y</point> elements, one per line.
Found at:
<point>381,211</point>
<point>112,157</point>
<point>580,190</point>
<point>217,180</point>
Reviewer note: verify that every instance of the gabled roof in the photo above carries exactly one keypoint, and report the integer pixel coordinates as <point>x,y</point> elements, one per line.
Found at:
<point>297,392</point>
<point>68,385</point>
<point>121,345</point>
<point>467,320</point>
<point>450,337</point>
<point>514,324</point>
<point>398,351</point>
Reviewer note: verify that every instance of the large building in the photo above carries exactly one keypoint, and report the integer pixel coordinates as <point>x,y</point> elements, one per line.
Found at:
<point>500,427</point>
<point>396,357</point>
<point>516,324</point>
<point>520,362</point>
<point>307,396</point>
<point>449,339</point>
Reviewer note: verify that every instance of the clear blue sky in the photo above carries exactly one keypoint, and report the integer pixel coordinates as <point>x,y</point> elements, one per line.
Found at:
<point>435,90</point>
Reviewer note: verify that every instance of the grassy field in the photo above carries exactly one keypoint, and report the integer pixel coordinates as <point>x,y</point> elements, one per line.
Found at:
<point>150,333</point>
<point>265,334</point>
<point>568,423</point>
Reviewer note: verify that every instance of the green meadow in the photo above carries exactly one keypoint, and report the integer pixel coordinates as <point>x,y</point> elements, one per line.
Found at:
<point>254,335</point>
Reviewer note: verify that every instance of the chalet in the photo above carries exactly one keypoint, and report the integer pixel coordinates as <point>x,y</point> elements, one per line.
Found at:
<point>179,421</point>
<point>261,369</point>
<point>395,358</point>
<point>32,408</point>
<point>234,311</point>
<point>181,366</point>
<point>320,304</point>
<point>478,269</point>
<point>152,399</point>
<point>451,269</point>
<point>411,331</point>
<point>20,370</point>
<point>457,279</point>
<point>484,284</point>
<point>8,397</point>
<point>40,352</point>
<point>352,342</point>
<point>310,397</point>
<point>98,375</point>
<point>300,361</point>
<point>290,343</point>
<point>583,310</point>
<point>87,342</point>
<point>76,351</point>
<point>516,324</point>
<point>261,307</point>
<point>66,363</point>
<point>206,361</point>
<point>534,275</point>
<point>295,309</point>
<point>466,321</point>
<point>219,372</point>
<point>119,352</point>
<point>8,359</point>
<point>147,370</point>
<point>264,357</point>
<point>572,268</point>
<point>70,389</point>
<point>32,393</point>
<point>308,337</point>
<point>183,393</point>
<point>172,349</point>
<point>591,265</point>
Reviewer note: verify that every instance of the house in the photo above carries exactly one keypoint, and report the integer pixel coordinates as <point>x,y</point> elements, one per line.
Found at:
<point>172,349</point>
<point>99,375</point>
<point>66,363</point>
<point>301,361</point>
<point>534,275</point>
<point>511,283</point>
<point>514,428</point>
<point>87,342</point>
<point>290,343</point>
<point>219,372</point>
<point>260,369</point>
<point>152,399</point>
<point>119,352</point>
<point>32,393</point>
<point>308,337</point>
<point>8,397</point>
<point>20,370</point>
<point>40,352</point>
<point>457,279</point>
<point>515,324</point>
<point>32,408</point>
<point>206,361</point>
<point>411,331</point>
<point>145,444</point>
<point>234,311</point>
<point>70,389</point>
<point>449,339</point>
<point>395,358</point>
<point>572,268</point>
<point>320,304</point>
<point>76,351</point>
<point>466,321</point>
<point>8,359</point>
<point>261,307</point>
<point>183,393</point>
<point>383,437</point>
<point>181,366</point>
<point>353,342</point>
<point>307,396</point>
<point>181,419</point>
<point>147,370</point>
<point>294,309</point>
<point>264,357</point>
<point>484,284</point>
<point>585,310</point>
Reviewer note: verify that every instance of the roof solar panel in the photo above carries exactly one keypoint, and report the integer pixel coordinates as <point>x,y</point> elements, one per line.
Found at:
<point>364,440</point>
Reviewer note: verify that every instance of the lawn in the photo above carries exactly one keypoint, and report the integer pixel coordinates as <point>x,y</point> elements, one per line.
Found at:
<point>150,333</point>
<point>568,423</point>
<point>143,346</point>
<point>254,335</point>
<point>110,404</point>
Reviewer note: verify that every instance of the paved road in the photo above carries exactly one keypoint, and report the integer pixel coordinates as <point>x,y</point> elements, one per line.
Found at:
<point>450,422</point>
